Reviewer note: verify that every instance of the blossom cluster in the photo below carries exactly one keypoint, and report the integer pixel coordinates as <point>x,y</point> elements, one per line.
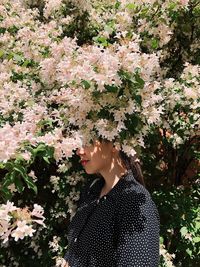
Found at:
<point>62,85</point>
<point>79,81</point>
<point>167,257</point>
<point>183,98</point>
<point>18,222</point>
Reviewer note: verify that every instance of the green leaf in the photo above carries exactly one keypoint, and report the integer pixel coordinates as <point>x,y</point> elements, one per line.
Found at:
<point>117,4</point>
<point>13,29</point>
<point>19,185</point>
<point>2,30</point>
<point>85,84</point>
<point>26,63</point>
<point>30,183</point>
<point>15,176</point>
<point>196,239</point>
<point>121,92</point>
<point>161,240</point>
<point>46,159</point>
<point>197,226</point>
<point>131,6</point>
<point>17,58</point>
<point>108,29</point>
<point>125,75</point>
<point>2,53</point>
<point>19,159</point>
<point>133,123</point>
<point>101,40</point>
<point>138,99</point>
<point>21,170</point>
<point>10,55</point>
<point>8,179</point>
<point>112,89</point>
<point>9,166</point>
<point>139,80</point>
<point>154,43</point>
<point>2,165</point>
<point>6,193</point>
<point>183,231</point>
<point>39,148</point>
<point>189,252</point>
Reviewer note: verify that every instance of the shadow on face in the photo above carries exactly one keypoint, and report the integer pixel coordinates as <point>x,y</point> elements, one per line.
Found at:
<point>97,156</point>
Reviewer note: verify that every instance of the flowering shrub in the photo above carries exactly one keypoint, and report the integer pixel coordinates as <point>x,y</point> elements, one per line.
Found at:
<point>73,70</point>
<point>181,234</point>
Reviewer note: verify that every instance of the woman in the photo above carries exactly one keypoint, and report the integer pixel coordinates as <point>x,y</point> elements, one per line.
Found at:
<point>116,222</point>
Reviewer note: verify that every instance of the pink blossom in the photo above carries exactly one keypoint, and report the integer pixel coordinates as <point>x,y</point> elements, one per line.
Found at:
<point>51,6</point>
<point>12,188</point>
<point>48,70</point>
<point>26,155</point>
<point>184,2</point>
<point>22,230</point>
<point>129,150</point>
<point>38,211</point>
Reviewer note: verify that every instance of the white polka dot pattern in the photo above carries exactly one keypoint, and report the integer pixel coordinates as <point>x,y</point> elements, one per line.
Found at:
<point>119,229</point>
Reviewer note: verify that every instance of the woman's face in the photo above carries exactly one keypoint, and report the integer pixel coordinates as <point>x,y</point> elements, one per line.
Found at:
<point>96,157</point>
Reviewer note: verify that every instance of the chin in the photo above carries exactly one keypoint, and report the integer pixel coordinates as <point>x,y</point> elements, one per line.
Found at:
<point>89,171</point>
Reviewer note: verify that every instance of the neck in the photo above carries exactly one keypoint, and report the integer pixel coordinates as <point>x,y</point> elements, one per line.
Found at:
<point>112,174</point>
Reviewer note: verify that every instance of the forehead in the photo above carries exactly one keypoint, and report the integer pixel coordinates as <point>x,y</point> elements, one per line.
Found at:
<point>95,143</point>
<point>101,142</point>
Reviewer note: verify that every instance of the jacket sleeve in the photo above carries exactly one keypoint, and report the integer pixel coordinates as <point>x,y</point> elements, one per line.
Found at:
<point>66,256</point>
<point>138,232</point>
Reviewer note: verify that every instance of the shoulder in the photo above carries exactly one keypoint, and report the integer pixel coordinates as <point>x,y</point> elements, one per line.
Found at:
<point>135,200</point>
<point>134,194</point>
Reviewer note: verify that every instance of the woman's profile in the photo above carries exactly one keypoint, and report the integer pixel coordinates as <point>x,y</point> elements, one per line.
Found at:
<point>116,223</point>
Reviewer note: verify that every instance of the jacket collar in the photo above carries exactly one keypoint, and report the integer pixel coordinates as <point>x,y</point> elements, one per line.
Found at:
<point>124,184</point>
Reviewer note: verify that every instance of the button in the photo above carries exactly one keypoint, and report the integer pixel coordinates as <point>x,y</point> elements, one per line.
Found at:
<point>104,197</point>
<point>98,201</point>
<point>75,239</point>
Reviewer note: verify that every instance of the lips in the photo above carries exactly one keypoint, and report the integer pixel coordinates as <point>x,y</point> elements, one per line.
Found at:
<point>84,162</point>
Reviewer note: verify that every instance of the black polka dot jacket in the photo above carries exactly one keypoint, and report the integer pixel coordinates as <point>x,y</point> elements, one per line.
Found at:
<point>120,229</point>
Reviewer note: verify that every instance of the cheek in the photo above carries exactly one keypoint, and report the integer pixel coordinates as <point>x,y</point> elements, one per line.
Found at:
<point>99,161</point>
<point>93,166</point>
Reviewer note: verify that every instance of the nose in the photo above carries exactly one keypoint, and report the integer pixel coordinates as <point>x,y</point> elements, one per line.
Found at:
<point>80,151</point>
